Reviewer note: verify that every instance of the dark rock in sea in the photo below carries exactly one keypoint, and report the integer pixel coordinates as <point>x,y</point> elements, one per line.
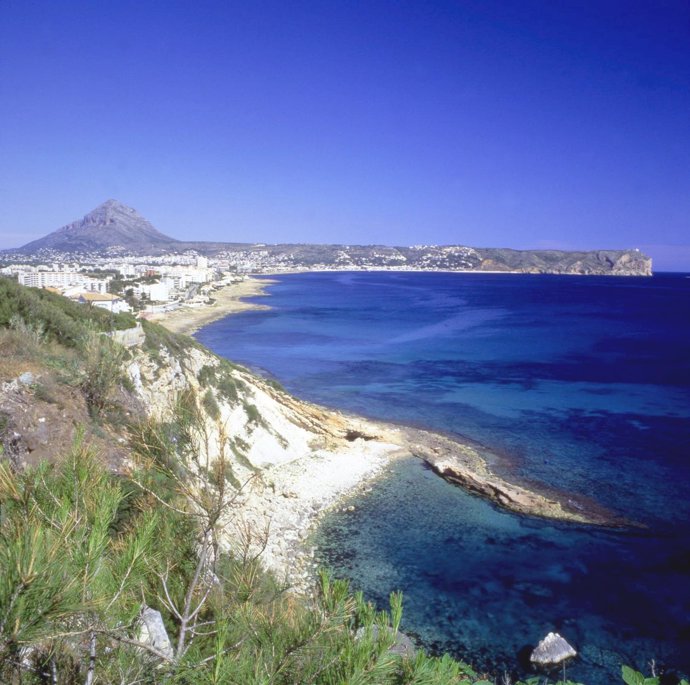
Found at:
<point>353,435</point>
<point>523,657</point>
<point>669,678</point>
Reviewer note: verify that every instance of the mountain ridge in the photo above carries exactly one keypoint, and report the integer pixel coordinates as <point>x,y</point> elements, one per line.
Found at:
<point>115,228</point>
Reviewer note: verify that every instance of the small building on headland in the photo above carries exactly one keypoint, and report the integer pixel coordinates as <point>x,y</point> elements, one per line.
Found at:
<point>113,303</point>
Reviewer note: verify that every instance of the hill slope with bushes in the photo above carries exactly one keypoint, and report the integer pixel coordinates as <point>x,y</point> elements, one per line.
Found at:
<point>132,545</point>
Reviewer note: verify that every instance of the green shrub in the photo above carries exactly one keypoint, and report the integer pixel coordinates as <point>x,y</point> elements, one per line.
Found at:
<point>206,375</point>
<point>102,369</point>
<point>221,378</point>
<point>253,415</point>
<point>157,337</point>
<point>53,316</point>
<point>633,677</point>
<point>275,384</point>
<point>211,405</point>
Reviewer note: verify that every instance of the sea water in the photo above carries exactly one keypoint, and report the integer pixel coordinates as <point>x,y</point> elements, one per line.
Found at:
<point>578,383</point>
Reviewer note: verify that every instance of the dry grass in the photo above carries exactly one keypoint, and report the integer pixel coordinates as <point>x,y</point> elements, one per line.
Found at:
<point>17,355</point>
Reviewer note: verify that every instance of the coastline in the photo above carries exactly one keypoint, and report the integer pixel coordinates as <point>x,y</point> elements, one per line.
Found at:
<point>347,453</point>
<point>230,299</point>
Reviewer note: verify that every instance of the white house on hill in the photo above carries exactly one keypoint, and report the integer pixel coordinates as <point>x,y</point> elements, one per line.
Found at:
<point>113,303</point>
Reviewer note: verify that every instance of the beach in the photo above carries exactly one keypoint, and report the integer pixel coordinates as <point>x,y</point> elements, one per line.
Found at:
<point>346,455</point>
<point>229,299</point>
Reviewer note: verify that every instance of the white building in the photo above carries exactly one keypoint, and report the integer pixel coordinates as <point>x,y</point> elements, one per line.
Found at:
<point>156,292</point>
<point>112,303</point>
<point>62,280</point>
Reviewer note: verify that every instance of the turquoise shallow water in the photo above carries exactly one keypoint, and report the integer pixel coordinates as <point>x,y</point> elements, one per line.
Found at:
<point>580,383</point>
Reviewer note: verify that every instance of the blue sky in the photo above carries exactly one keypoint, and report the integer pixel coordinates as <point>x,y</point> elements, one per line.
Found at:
<point>518,124</point>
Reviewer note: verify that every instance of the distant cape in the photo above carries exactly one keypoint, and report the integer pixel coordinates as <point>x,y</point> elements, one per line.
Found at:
<point>114,228</point>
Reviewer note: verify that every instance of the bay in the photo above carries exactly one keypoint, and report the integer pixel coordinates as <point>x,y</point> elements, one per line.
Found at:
<point>579,383</point>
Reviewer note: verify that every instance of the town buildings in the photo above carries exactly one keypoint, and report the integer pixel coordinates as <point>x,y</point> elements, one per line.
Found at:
<point>114,284</point>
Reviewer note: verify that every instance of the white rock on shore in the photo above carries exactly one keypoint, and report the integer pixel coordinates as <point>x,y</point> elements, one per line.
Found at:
<point>552,650</point>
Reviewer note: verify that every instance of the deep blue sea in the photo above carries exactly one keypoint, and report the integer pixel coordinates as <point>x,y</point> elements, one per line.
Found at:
<point>579,383</point>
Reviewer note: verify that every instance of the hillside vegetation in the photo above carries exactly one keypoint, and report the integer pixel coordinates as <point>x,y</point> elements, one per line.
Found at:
<point>115,566</point>
<point>52,316</point>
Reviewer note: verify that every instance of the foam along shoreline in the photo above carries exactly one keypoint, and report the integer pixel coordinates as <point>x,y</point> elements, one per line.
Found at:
<point>230,299</point>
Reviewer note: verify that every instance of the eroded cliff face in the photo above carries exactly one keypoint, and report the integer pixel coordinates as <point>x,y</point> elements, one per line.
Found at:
<point>260,425</point>
<point>593,263</point>
<point>285,461</point>
<point>290,461</point>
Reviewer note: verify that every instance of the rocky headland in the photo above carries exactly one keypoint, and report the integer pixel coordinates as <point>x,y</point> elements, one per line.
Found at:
<point>298,460</point>
<point>290,460</point>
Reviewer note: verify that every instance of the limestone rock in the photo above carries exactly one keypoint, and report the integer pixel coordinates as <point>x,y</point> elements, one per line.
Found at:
<point>152,632</point>
<point>111,225</point>
<point>552,650</point>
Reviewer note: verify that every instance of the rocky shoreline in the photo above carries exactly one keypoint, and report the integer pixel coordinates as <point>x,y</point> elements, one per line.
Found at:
<point>327,456</point>
<point>289,499</point>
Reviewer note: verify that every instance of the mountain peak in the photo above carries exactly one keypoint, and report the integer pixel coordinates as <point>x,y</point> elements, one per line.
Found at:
<point>110,210</point>
<point>113,205</point>
<point>110,226</point>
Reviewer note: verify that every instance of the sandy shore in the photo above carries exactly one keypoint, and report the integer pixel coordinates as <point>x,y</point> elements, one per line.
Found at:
<point>228,300</point>
<point>284,507</point>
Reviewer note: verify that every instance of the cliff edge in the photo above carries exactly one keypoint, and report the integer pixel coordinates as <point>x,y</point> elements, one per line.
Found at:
<point>285,461</point>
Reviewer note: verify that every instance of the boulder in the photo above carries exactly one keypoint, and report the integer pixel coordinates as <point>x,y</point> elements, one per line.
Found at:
<point>27,378</point>
<point>553,649</point>
<point>152,632</point>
